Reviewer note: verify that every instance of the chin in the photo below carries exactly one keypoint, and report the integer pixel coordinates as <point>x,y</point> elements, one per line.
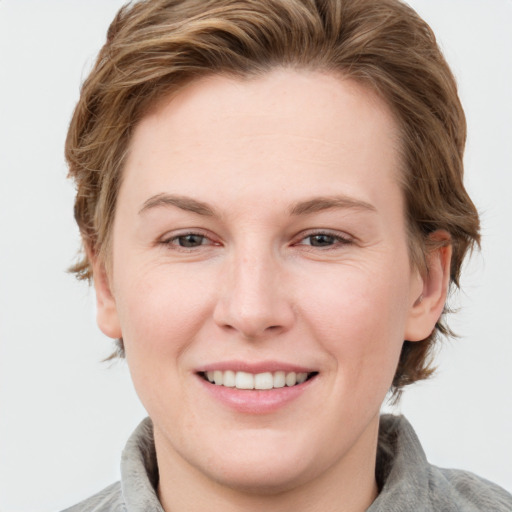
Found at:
<point>268,479</point>
<point>265,463</point>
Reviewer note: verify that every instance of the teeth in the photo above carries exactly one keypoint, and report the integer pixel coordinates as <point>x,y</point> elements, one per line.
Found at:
<point>301,377</point>
<point>263,381</point>
<point>291,379</point>
<point>245,380</point>
<point>229,379</point>
<point>279,379</point>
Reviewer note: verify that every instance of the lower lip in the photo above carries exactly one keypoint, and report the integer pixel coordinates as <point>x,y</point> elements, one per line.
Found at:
<point>256,401</point>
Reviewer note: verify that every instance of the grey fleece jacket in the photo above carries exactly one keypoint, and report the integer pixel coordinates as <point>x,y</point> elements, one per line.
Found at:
<point>407,482</point>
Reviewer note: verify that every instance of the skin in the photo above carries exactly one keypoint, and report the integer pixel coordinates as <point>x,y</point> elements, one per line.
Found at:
<point>327,288</point>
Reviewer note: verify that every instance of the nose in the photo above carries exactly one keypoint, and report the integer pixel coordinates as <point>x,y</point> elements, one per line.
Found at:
<point>253,299</point>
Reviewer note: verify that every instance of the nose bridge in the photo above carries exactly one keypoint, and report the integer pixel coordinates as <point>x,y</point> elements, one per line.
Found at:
<point>254,300</point>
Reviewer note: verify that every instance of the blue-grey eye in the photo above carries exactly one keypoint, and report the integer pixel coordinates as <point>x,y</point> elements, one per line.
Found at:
<point>191,240</point>
<point>322,240</point>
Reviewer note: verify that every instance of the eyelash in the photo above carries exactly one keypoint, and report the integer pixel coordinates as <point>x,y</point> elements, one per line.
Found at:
<point>336,240</point>
<point>174,241</point>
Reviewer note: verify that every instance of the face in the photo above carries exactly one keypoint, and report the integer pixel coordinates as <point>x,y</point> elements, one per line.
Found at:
<point>260,242</point>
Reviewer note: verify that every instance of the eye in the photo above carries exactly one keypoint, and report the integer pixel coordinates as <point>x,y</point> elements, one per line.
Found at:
<point>187,241</point>
<point>324,239</point>
<point>321,240</point>
<point>190,240</point>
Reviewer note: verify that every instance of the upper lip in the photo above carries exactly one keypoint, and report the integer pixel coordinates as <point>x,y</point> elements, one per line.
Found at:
<point>255,367</point>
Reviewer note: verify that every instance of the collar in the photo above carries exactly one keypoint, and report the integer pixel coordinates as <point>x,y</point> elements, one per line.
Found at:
<point>406,480</point>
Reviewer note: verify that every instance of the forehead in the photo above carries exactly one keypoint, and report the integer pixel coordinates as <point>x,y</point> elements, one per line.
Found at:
<point>286,129</point>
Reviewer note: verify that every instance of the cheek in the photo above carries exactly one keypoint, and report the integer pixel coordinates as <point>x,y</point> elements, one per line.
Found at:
<point>359,317</point>
<point>160,311</point>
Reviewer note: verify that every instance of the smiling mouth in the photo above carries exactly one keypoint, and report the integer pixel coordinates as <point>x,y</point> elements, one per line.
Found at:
<point>257,381</point>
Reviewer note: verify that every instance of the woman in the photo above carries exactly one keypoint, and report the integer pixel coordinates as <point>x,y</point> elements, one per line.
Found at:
<point>270,198</point>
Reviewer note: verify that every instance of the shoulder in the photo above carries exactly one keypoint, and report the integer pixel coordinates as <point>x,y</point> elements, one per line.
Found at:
<point>407,481</point>
<point>136,492</point>
<point>468,491</point>
<point>109,499</point>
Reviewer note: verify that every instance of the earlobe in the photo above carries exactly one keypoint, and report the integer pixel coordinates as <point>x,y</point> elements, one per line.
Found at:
<point>428,306</point>
<point>106,309</point>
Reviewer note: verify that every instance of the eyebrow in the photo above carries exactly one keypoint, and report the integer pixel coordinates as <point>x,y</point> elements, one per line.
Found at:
<point>185,203</point>
<point>318,204</point>
<point>309,206</point>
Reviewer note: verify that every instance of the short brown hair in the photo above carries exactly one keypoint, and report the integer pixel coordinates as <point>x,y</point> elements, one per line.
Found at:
<point>154,47</point>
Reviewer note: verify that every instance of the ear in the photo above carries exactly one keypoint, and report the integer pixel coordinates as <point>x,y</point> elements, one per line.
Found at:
<point>428,306</point>
<point>106,309</point>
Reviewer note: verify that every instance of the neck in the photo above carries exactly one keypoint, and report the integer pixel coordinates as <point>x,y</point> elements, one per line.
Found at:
<point>348,485</point>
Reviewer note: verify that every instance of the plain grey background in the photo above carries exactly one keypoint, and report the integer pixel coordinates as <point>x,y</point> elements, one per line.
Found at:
<point>64,415</point>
